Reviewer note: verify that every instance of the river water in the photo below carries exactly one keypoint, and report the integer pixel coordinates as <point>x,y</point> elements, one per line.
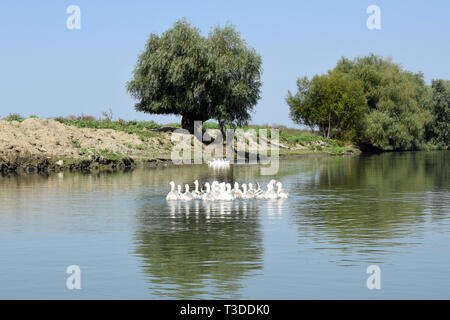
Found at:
<point>344,215</point>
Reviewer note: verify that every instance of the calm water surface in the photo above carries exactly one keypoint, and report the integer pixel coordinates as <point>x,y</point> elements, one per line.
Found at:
<point>344,214</point>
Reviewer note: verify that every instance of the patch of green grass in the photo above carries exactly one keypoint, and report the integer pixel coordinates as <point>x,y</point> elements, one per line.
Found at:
<point>128,145</point>
<point>76,143</point>
<point>143,129</point>
<point>140,147</point>
<point>293,137</point>
<point>14,117</point>
<point>107,154</point>
<point>289,137</point>
<point>138,127</point>
<point>168,146</point>
<point>210,125</point>
<point>83,152</point>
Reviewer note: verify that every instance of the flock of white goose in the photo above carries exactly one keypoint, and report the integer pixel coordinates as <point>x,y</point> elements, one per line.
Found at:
<point>223,191</point>
<point>219,163</point>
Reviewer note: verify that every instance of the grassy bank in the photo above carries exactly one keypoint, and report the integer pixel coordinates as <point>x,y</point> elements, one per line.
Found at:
<point>90,143</point>
<point>300,140</point>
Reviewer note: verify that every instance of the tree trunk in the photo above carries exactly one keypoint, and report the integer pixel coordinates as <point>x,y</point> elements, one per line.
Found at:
<point>222,131</point>
<point>329,125</point>
<point>188,123</point>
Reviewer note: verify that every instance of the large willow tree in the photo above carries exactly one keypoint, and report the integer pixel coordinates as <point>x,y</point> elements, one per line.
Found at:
<point>184,73</point>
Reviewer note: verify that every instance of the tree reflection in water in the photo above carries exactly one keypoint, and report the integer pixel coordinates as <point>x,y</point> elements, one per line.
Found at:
<point>370,205</point>
<point>199,248</point>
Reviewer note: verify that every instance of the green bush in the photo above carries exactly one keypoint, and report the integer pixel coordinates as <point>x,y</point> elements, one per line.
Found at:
<point>14,117</point>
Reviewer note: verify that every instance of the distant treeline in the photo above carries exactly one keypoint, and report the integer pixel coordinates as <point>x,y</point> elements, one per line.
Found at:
<point>375,103</point>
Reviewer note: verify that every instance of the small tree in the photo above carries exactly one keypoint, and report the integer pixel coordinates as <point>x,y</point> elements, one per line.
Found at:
<point>333,102</point>
<point>199,78</point>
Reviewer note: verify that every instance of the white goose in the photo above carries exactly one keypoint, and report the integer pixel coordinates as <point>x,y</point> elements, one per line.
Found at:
<point>219,163</point>
<point>226,193</point>
<point>221,193</point>
<point>250,194</point>
<point>215,189</point>
<point>179,191</point>
<point>172,195</point>
<point>270,194</point>
<point>251,191</point>
<point>207,196</point>
<point>186,196</point>
<point>237,192</point>
<point>259,193</point>
<point>245,195</point>
<point>280,192</point>
<point>196,194</point>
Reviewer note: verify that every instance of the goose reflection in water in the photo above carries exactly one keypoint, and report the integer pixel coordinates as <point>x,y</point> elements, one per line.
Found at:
<point>275,208</point>
<point>215,209</point>
<point>190,249</point>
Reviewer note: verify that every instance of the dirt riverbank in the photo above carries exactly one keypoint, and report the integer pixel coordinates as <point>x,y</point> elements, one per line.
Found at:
<point>40,145</point>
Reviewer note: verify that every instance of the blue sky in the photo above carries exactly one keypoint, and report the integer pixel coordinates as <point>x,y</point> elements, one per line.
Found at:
<point>49,70</point>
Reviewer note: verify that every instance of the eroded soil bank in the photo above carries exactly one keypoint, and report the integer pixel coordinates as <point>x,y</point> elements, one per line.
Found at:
<point>41,145</point>
<point>38,145</point>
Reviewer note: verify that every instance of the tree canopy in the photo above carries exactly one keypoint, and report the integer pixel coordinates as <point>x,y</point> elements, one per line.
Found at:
<point>334,102</point>
<point>439,127</point>
<point>184,73</point>
<point>398,103</point>
<point>369,100</point>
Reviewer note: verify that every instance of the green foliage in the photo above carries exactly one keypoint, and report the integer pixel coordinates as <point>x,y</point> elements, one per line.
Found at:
<point>293,137</point>
<point>369,100</point>
<point>438,130</point>
<point>334,102</point>
<point>210,125</point>
<point>128,145</point>
<point>76,143</point>
<point>140,147</point>
<point>60,119</point>
<point>181,72</point>
<point>14,117</point>
<point>107,154</point>
<point>142,128</point>
<point>398,103</point>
